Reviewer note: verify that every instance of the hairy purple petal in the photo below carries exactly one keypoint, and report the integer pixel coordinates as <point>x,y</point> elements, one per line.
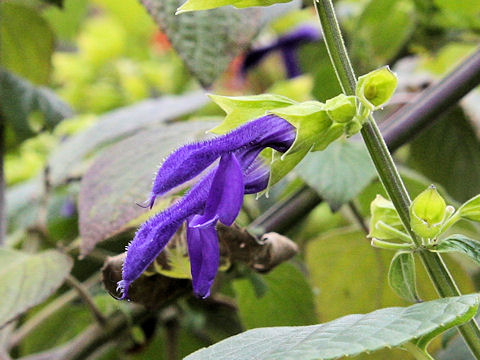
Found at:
<point>154,234</point>
<point>226,194</point>
<point>203,250</point>
<point>256,177</point>
<point>190,160</point>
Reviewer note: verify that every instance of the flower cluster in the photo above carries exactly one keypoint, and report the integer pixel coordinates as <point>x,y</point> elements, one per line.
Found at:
<point>229,166</point>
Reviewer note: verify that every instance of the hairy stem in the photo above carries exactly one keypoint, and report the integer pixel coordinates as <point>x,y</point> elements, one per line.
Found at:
<point>386,168</point>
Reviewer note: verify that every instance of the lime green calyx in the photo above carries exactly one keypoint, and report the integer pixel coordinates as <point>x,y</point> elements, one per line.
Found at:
<point>241,109</point>
<point>428,212</point>
<point>376,88</point>
<point>385,223</point>
<point>341,108</point>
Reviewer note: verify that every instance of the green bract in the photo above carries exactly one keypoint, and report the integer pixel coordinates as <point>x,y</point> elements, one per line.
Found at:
<point>341,108</point>
<point>471,209</point>
<point>385,222</point>
<point>241,109</point>
<point>376,88</point>
<point>427,213</point>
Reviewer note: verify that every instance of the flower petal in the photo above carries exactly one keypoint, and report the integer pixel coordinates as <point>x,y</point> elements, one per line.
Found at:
<point>203,251</point>
<point>190,160</point>
<point>155,233</point>
<point>226,194</point>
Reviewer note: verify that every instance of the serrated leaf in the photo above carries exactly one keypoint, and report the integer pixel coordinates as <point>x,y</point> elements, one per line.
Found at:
<point>401,276</point>
<point>26,42</point>
<point>348,336</point>
<point>20,98</point>
<point>287,288</point>
<point>462,244</point>
<point>195,5</point>
<point>113,184</point>
<point>338,173</point>
<point>241,109</point>
<point>207,41</point>
<point>117,125</point>
<point>27,280</point>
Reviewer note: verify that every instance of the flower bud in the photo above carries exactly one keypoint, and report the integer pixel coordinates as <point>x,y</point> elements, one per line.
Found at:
<point>382,210</point>
<point>376,88</point>
<point>341,108</point>
<point>427,213</point>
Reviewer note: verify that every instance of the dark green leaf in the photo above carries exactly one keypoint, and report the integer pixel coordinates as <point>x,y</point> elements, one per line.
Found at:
<point>27,280</point>
<point>401,276</point>
<point>20,98</point>
<point>288,299</point>
<point>207,41</point>
<point>376,42</point>
<point>26,42</point>
<point>339,172</point>
<point>462,244</point>
<point>117,125</point>
<point>449,154</point>
<point>347,336</point>
<point>113,184</point>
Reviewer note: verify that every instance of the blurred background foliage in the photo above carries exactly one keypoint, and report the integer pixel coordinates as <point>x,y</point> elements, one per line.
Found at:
<point>95,94</point>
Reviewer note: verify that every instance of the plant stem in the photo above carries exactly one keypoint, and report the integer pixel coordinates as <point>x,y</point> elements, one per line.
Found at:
<point>386,168</point>
<point>87,299</point>
<point>3,214</point>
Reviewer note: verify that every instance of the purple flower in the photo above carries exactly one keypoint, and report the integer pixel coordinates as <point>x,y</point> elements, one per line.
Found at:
<point>287,45</point>
<point>218,196</point>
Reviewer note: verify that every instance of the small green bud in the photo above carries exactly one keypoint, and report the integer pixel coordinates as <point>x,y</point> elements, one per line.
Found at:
<point>376,88</point>
<point>427,213</point>
<point>341,108</point>
<point>353,127</point>
<point>383,211</point>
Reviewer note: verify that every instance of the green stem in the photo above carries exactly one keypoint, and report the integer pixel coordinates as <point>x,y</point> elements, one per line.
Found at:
<point>418,353</point>
<point>386,168</point>
<point>391,246</point>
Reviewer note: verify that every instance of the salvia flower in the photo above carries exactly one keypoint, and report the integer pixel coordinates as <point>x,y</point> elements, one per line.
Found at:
<point>229,167</point>
<point>287,45</point>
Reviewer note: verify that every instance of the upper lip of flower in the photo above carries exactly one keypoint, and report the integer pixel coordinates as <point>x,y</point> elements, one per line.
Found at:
<point>218,196</point>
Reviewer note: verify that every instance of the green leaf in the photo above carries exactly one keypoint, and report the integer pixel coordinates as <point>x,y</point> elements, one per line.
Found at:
<point>20,98</point>
<point>27,280</point>
<point>287,288</point>
<point>347,336</point>
<point>26,41</point>
<point>116,125</point>
<point>376,42</point>
<point>206,41</point>
<point>195,5</point>
<point>471,209</point>
<point>347,251</point>
<point>338,173</point>
<point>401,276</point>
<point>462,244</point>
<point>241,109</point>
<point>113,184</point>
<point>452,161</point>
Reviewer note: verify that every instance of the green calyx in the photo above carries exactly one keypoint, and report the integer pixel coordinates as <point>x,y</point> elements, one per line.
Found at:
<point>428,212</point>
<point>376,88</point>
<point>385,224</point>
